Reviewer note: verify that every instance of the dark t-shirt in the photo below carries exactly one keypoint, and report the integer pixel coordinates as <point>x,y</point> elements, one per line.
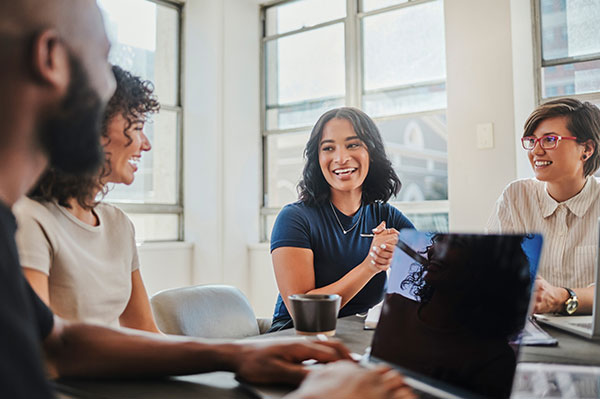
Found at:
<point>335,253</point>
<point>24,323</point>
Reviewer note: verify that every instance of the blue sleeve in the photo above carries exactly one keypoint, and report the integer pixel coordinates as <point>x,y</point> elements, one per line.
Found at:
<point>397,220</point>
<point>291,229</point>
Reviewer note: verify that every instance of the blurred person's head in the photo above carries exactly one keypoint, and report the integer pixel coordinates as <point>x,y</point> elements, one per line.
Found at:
<point>556,123</point>
<point>54,81</point>
<point>345,152</point>
<point>123,141</point>
<point>487,278</point>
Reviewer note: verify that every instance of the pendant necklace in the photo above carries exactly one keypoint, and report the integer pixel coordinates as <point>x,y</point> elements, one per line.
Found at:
<point>340,223</point>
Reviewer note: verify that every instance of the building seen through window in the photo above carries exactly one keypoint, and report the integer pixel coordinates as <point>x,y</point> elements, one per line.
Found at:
<point>387,58</point>
<point>149,46</point>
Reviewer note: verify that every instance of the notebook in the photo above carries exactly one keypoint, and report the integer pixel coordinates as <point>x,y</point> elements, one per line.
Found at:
<point>586,326</point>
<point>453,302</point>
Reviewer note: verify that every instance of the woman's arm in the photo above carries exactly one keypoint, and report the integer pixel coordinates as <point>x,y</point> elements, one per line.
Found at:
<point>549,298</point>
<point>39,283</point>
<point>294,269</point>
<point>138,313</point>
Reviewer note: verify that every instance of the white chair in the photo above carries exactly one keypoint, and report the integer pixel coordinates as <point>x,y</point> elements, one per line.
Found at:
<point>207,311</point>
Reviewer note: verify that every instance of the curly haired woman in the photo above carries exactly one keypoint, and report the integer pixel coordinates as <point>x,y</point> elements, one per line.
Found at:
<point>79,254</point>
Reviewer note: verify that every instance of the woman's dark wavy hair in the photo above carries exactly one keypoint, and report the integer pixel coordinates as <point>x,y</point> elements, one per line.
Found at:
<point>496,299</point>
<point>381,181</point>
<point>134,99</point>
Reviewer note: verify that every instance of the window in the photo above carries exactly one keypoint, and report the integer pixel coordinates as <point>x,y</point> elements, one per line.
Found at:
<point>386,57</point>
<point>569,54</point>
<point>149,46</point>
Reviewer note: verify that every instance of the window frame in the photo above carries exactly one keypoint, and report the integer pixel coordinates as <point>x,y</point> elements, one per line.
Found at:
<point>539,63</point>
<point>353,43</point>
<point>178,207</point>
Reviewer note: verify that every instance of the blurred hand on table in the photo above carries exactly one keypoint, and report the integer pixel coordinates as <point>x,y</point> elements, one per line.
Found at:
<point>347,380</point>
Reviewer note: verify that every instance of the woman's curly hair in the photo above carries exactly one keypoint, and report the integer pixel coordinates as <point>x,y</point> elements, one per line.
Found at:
<point>381,182</point>
<point>134,99</point>
<point>495,295</point>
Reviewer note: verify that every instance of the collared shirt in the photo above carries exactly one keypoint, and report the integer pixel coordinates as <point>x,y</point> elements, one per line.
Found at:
<point>570,228</point>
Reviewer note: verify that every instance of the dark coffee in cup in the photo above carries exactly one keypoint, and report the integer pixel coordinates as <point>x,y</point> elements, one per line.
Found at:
<point>315,313</point>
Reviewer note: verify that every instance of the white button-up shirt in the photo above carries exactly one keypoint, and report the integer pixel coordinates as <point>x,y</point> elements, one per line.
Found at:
<point>570,228</point>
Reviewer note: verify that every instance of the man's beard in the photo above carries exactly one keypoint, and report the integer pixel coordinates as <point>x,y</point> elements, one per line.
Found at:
<point>71,136</point>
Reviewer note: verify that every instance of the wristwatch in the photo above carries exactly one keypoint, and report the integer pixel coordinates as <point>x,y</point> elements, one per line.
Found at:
<point>571,304</point>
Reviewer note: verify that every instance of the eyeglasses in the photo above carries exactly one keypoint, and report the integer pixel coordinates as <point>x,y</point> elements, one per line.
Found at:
<point>546,142</point>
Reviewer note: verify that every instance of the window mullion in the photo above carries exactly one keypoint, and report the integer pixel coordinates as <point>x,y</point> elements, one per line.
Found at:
<point>352,54</point>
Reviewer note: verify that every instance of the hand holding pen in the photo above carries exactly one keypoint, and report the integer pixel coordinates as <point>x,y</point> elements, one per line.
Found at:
<point>382,247</point>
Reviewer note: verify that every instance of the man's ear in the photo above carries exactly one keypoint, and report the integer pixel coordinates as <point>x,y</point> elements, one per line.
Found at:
<point>50,61</point>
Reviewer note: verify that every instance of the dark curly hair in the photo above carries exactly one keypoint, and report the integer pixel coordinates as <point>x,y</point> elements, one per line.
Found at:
<point>134,99</point>
<point>381,182</point>
<point>496,299</point>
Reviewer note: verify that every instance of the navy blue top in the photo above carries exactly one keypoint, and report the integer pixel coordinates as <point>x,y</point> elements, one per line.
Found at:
<point>335,254</point>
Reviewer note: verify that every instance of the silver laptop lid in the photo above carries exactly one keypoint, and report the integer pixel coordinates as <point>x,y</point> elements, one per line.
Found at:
<point>595,310</point>
<point>585,325</point>
<point>453,303</point>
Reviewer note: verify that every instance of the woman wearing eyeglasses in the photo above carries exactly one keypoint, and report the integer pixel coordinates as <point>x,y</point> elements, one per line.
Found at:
<point>562,202</point>
<point>339,238</point>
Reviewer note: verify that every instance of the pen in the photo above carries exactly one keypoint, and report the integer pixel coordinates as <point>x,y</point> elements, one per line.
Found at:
<point>407,250</point>
<point>411,252</point>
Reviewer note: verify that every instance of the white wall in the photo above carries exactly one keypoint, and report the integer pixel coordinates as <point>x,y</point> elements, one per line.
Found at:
<point>165,265</point>
<point>263,288</point>
<point>221,137</point>
<point>479,50</point>
<point>523,76</point>
<point>489,79</point>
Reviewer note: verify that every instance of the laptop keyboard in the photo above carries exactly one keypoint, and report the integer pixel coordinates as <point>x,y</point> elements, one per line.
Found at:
<point>556,384</point>
<point>584,325</point>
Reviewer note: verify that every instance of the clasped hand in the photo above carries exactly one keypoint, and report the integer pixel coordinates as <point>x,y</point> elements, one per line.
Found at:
<point>548,298</point>
<point>382,248</point>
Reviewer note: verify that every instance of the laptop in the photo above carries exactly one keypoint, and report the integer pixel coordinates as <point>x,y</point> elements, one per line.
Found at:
<point>453,303</point>
<point>586,326</point>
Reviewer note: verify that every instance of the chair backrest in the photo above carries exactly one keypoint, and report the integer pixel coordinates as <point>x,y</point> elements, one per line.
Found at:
<point>207,311</point>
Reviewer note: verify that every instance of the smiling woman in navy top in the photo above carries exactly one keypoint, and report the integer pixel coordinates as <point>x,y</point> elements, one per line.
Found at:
<point>317,243</point>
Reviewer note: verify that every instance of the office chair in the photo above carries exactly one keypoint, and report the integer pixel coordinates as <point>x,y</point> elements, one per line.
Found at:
<point>207,311</point>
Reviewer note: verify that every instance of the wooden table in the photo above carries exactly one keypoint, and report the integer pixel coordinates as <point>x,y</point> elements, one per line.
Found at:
<point>571,349</point>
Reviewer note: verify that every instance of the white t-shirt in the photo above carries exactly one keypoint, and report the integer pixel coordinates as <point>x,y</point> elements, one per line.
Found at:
<point>570,228</point>
<point>89,267</point>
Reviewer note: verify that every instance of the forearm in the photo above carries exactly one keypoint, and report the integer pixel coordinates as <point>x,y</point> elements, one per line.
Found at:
<point>350,284</point>
<point>585,296</point>
<point>551,299</point>
<point>90,350</point>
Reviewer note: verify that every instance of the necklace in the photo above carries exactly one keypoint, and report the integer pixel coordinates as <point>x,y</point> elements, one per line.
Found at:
<point>340,223</point>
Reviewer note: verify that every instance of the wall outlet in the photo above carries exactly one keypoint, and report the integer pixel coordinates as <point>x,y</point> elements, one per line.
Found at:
<point>485,136</point>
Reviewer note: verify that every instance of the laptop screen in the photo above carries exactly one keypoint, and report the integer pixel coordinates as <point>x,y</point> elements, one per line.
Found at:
<point>453,303</point>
